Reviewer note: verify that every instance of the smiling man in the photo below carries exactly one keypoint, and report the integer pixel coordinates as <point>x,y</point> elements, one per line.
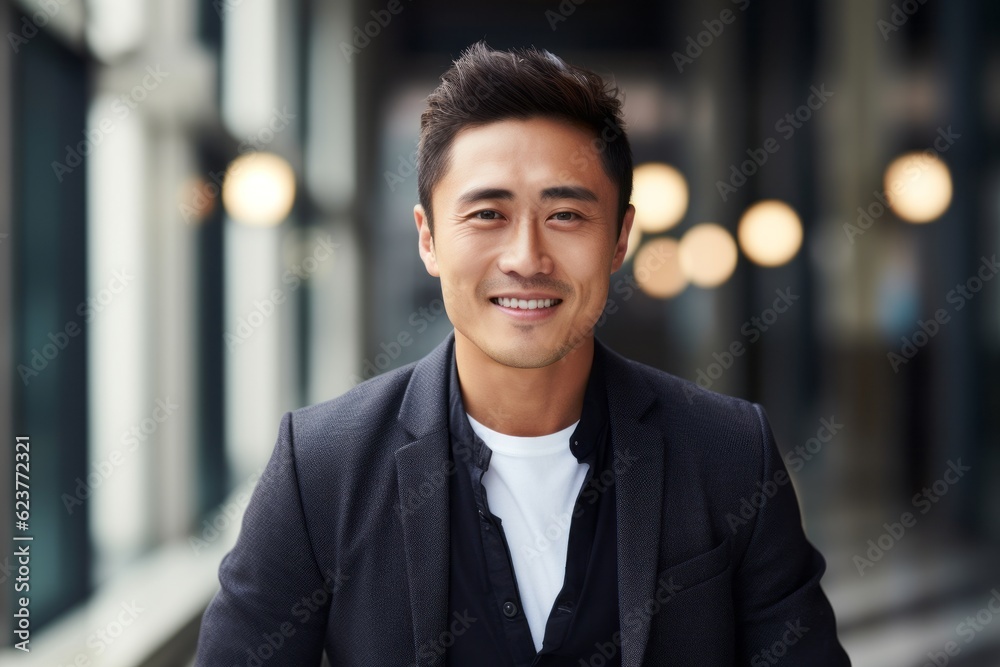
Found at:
<point>523,495</point>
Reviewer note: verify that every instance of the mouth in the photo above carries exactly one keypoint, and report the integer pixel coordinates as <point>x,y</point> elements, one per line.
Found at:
<point>513,303</point>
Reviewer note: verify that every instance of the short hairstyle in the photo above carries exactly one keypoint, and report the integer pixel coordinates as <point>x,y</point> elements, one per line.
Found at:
<point>486,85</point>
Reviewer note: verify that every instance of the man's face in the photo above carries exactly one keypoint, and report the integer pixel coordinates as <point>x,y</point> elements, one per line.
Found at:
<point>515,217</point>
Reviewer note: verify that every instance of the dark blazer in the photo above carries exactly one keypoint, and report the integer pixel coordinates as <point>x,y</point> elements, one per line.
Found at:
<point>344,543</point>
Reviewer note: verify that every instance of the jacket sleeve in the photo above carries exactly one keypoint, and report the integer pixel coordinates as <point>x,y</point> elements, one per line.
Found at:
<point>273,601</point>
<point>782,613</point>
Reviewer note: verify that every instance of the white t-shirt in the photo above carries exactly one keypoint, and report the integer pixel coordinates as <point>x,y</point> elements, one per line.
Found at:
<point>532,484</point>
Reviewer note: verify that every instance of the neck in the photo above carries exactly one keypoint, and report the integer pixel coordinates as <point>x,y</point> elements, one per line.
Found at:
<point>524,402</point>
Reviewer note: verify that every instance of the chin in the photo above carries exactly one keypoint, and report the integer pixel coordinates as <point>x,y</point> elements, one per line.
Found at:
<point>516,355</point>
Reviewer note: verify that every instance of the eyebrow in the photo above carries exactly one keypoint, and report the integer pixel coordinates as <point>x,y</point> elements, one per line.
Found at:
<point>558,192</point>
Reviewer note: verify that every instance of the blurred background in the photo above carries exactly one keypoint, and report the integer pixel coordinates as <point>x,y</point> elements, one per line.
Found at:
<point>206,221</point>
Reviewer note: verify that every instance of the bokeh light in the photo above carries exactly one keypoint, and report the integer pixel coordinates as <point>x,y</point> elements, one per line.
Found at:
<point>657,268</point>
<point>707,254</point>
<point>660,196</point>
<point>259,189</point>
<point>918,186</point>
<point>770,233</point>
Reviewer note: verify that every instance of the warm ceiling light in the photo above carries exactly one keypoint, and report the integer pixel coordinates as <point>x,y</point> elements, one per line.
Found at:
<point>657,269</point>
<point>660,196</point>
<point>770,233</point>
<point>259,189</point>
<point>707,254</point>
<point>918,186</point>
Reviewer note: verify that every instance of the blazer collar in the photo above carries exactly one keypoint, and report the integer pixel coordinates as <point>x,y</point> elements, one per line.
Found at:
<point>423,469</point>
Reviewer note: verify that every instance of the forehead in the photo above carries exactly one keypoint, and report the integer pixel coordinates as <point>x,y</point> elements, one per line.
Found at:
<point>533,153</point>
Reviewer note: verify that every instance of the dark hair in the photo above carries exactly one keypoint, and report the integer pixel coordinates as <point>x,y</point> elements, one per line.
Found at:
<point>485,85</point>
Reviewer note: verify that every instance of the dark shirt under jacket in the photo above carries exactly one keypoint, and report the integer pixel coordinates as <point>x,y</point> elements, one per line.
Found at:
<point>583,622</point>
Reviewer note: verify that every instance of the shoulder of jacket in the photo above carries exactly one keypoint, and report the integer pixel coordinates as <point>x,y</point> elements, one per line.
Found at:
<point>691,416</point>
<point>689,399</point>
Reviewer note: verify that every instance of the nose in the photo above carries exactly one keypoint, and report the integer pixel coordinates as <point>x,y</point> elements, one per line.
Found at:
<point>526,253</point>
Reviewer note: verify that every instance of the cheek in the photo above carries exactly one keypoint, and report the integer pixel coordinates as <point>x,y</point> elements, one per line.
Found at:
<point>476,254</point>
<point>589,252</point>
<point>590,271</point>
<point>466,276</point>
<point>592,298</point>
<point>461,275</point>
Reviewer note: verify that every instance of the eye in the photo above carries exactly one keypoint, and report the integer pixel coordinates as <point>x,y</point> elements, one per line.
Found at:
<point>565,216</point>
<point>487,214</point>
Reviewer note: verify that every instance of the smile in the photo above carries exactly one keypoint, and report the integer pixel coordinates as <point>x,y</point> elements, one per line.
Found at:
<point>525,304</point>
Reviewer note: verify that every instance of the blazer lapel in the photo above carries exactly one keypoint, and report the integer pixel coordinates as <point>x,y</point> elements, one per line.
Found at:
<point>423,475</point>
<point>639,454</point>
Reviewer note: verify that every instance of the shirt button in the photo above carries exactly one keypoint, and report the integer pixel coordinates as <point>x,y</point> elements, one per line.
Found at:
<point>509,609</point>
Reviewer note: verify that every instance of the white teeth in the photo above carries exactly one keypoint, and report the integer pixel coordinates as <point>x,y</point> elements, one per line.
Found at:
<point>525,304</point>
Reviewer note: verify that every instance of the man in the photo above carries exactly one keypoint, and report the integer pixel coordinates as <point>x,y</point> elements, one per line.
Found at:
<point>523,495</point>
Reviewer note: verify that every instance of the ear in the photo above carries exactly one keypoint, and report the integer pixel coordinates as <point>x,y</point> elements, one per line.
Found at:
<point>622,246</point>
<point>425,242</point>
